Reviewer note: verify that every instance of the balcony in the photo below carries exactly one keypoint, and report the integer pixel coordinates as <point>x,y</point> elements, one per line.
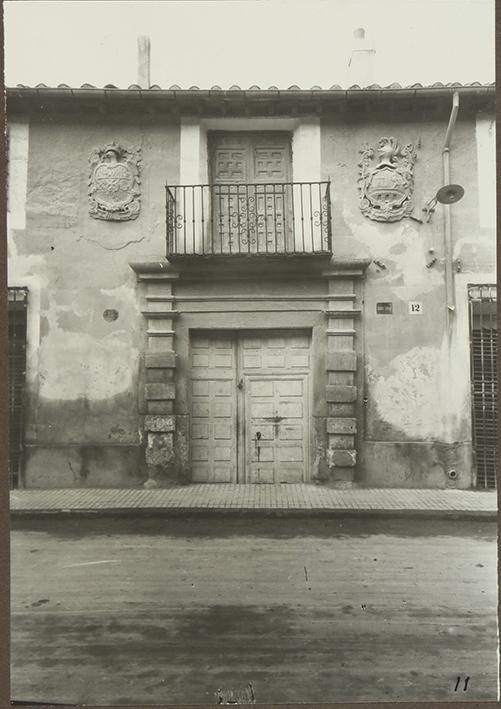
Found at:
<point>274,219</point>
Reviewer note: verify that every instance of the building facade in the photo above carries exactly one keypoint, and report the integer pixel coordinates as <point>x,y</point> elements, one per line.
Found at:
<point>243,286</point>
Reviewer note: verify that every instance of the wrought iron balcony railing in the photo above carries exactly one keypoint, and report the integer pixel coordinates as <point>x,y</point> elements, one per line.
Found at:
<point>249,219</point>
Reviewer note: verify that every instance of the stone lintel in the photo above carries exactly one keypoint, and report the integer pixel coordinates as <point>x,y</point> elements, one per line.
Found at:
<point>341,393</point>
<point>160,390</point>
<point>341,425</point>
<point>341,361</point>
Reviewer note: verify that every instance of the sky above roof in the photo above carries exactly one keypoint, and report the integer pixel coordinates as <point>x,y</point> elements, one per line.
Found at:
<point>247,42</point>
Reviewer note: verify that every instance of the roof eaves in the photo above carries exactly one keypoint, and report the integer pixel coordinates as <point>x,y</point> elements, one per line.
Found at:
<point>134,91</point>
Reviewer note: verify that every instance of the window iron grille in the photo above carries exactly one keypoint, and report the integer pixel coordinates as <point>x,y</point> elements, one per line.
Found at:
<point>483,358</point>
<point>17,314</point>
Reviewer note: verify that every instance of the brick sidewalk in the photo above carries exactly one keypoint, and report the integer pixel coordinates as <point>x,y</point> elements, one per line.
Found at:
<point>308,499</point>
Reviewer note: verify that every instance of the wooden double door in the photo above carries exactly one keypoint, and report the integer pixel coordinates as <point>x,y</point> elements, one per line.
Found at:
<point>251,195</point>
<point>249,407</point>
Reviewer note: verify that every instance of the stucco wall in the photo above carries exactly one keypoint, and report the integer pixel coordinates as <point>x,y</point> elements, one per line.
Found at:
<point>417,397</point>
<point>82,419</point>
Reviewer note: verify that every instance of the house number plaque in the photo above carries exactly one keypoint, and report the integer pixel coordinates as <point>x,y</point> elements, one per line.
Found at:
<point>415,308</point>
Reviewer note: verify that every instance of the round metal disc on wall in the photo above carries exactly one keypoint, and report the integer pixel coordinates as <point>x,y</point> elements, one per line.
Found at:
<point>449,194</point>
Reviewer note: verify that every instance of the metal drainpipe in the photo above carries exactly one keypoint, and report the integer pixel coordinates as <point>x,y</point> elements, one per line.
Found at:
<point>450,297</point>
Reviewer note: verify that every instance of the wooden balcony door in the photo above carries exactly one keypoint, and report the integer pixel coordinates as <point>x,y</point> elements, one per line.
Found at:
<point>251,211</point>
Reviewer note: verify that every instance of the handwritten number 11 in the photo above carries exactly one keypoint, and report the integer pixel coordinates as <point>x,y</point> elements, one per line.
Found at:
<point>458,681</point>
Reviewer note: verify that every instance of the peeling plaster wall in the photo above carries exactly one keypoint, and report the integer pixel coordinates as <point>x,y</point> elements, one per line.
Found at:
<point>417,419</point>
<point>82,424</point>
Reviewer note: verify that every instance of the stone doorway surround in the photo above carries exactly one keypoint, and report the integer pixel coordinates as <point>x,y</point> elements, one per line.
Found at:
<point>165,430</point>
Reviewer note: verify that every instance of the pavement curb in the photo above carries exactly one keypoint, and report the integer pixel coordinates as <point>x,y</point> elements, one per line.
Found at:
<point>480,515</point>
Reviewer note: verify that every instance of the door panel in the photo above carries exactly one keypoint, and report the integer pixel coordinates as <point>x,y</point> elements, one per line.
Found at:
<point>213,409</point>
<point>270,162</point>
<point>275,352</point>
<point>276,430</point>
<point>276,405</point>
<point>230,163</point>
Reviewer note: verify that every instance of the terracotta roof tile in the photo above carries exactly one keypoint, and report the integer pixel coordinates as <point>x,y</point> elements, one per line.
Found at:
<point>255,88</point>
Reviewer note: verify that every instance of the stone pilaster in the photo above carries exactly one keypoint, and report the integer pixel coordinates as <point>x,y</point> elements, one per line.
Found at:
<point>159,420</point>
<point>343,320</point>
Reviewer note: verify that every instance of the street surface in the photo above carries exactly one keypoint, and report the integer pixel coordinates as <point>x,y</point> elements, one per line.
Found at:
<point>111,611</point>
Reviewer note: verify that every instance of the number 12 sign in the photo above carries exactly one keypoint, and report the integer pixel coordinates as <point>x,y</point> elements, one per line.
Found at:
<point>415,308</point>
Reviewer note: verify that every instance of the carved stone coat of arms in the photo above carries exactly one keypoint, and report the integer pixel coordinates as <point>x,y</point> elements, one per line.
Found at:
<point>386,187</point>
<point>114,184</point>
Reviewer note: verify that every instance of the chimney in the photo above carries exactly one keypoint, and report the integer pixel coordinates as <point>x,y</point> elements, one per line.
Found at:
<point>362,60</point>
<point>143,62</point>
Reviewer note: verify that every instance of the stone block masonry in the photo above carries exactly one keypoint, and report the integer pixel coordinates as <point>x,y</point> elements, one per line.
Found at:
<point>341,364</point>
<point>159,423</point>
<point>339,393</point>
